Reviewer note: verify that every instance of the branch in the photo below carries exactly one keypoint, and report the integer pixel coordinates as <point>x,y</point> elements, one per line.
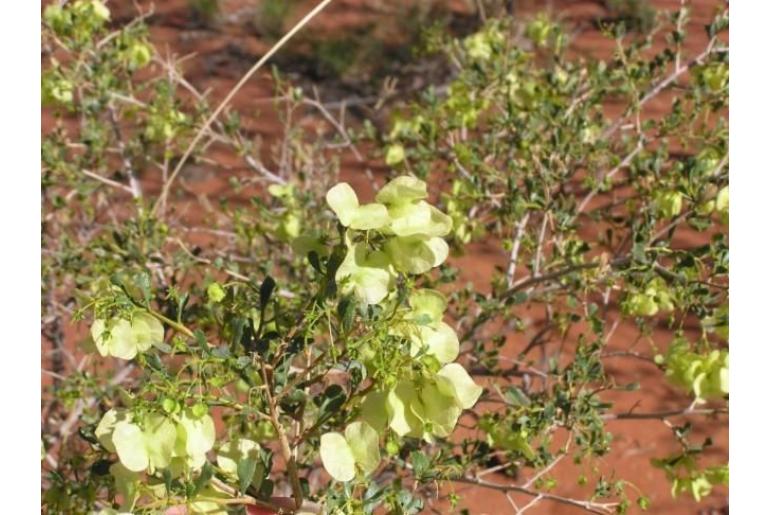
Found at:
<point>625,162</point>
<point>589,506</point>
<point>174,325</point>
<point>262,169</point>
<point>135,186</point>
<point>334,123</point>
<point>167,187</point>
<point>664,414</point>
<point>277,504</point>
<point>515,250</point>
<point>663,84</point>
<point>291,464</point>
<point>535,279</point>
<point>108,182</point>
<point>83,404</point>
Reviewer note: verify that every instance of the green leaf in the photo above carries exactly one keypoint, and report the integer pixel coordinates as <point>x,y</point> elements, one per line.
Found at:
<point>310,244</point>
<point>346,310</point>
<point>246,469</point>
<point>203,479</point>
<point>337,457</point>
<point>516,397</point>
<point>331,400</point>
<point>265,291</point>
<point>233,452</point>
<point>421,465</point>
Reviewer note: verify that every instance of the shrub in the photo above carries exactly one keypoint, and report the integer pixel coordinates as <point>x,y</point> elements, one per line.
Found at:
<point>324,332</point>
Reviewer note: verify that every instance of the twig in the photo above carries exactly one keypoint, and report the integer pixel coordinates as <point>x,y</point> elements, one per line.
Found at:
<point>589,506</point>
<point>291,464</point>
<point>108,182</point>
<point>282,292</point>
<point>550,466</point>
<point>679,219</point>
<point>663,84</point>
<point>540,240</point>
<point>720,165</point>
<point>529,505</point>
<point>625,162</point>
<point>135,187</point>
<point>515,250</point>
<point>277,504</point>
<point>160,203</point>
<point>626,354</point>
<point>262,169</point>
<point>690,410</point>
<point>334,123</point>
<point>66,427</point>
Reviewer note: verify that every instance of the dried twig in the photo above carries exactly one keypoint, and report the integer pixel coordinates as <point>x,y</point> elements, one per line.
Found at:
<point>160,203</point>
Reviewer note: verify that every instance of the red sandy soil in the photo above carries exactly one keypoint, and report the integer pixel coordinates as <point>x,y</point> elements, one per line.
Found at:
<point>223,52</point>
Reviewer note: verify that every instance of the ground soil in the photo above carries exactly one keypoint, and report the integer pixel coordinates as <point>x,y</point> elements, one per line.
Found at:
<point>222,50</point>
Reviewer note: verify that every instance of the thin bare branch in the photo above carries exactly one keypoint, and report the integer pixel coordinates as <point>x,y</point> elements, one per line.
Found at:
<point>160,203</point>
<point>589,506</point>
<point>515,249</point>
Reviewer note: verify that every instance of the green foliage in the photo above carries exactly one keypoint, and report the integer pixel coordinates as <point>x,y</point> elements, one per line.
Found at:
<point>533,158</point>
<point>685,477</point>
<point>704,375</point>
<point>319,331</point>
